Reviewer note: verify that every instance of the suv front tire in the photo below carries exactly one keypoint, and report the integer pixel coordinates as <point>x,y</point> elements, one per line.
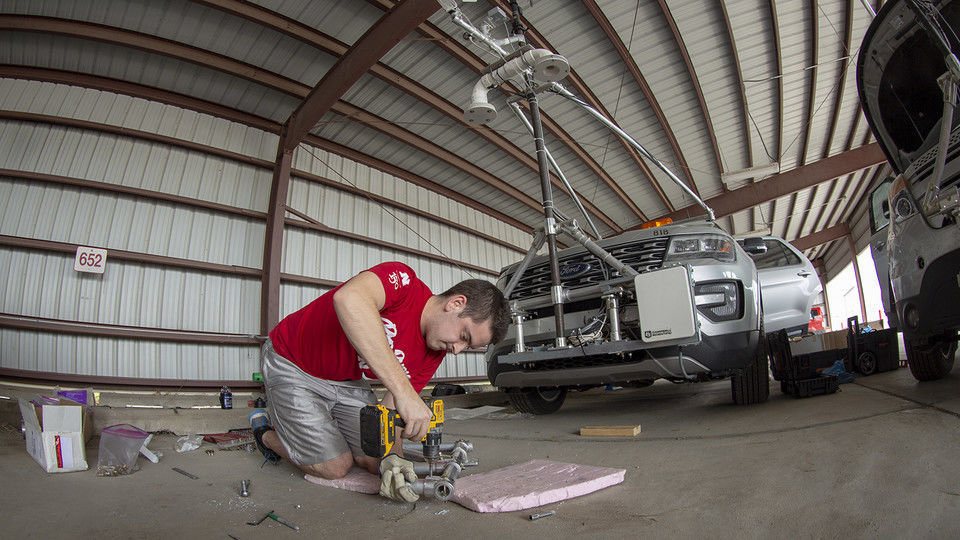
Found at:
<point>537,401</point>
<point>752,384</point>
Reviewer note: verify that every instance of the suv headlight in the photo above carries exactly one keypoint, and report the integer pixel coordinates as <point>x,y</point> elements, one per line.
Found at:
<point>710,246</point>
<point>719,300</point>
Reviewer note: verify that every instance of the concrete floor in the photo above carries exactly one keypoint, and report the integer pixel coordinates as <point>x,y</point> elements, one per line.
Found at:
<point>877,459</point>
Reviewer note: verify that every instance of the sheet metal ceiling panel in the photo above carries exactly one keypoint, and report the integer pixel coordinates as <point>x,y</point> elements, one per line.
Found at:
<point>208,29</point>
<point>705,36</point>
<point>105,60</point>
<point>796,58</point>
<point>369,141</point>
<point>656,53</point>
<point>345,20</point>
<point>752,23</point>
<point>792,117</point>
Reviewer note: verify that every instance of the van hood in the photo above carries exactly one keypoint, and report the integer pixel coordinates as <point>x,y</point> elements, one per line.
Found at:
<point>897,72</point>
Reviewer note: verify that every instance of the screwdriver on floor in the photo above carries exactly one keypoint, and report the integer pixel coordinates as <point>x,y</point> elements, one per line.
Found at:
<point>276,518</point>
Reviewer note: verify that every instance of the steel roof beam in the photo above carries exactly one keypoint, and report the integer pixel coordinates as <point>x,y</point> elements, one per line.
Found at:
<point>364,54</point>
<point>149,93</point>
<point>21,322</point>
<point>821,237</point>
<point>788,182</point>
<point>778,66</point>
<point>778,57</point>
<point>638,77</point>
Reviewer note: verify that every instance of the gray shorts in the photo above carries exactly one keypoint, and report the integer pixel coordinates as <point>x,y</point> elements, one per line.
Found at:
<point>315,419</point>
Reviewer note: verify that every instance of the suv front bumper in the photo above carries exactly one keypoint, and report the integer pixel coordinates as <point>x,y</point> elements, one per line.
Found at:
<point>715,357</point>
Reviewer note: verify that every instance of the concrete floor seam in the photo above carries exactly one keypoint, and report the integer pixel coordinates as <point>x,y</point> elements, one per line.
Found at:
<point>721,436</point>
<point>910,400</point>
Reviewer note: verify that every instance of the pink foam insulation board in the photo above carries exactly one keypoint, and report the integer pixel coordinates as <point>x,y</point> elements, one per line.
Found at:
<point>531,484</point>
<point>516,487</point>
<point>355,480</point>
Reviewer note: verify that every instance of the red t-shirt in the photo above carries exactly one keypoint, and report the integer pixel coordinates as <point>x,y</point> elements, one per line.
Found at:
<point>312,337</point>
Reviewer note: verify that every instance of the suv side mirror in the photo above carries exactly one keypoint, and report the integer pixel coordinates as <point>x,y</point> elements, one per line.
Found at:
<point>754,246</point>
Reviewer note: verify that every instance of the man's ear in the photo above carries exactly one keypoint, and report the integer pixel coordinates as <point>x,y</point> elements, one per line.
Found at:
<point>456,303</point>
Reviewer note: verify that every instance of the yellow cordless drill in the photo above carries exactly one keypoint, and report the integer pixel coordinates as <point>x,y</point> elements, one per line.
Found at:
<point>378,430</point>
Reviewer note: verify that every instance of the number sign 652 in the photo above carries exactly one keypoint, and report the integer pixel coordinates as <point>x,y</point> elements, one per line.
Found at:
<point>90,259</point>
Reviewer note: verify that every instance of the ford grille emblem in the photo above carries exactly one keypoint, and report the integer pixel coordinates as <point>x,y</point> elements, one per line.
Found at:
<point>574,270</point>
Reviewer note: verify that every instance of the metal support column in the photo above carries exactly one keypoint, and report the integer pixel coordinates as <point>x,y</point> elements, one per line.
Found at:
<point>856,272</point>
<point>273,242</point>
<point>821,269</point>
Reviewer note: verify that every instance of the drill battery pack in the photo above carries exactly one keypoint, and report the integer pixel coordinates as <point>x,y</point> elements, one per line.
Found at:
<point>377,430</point>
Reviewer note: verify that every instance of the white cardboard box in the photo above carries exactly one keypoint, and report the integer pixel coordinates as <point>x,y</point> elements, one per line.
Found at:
<point>55,436</point>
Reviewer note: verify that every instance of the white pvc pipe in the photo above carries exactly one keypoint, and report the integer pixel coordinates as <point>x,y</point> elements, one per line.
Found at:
<point>504,73</point>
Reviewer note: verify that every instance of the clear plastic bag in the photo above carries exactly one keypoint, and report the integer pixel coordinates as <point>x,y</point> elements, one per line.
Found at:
<point>188,443</point>
<point>119,448</point>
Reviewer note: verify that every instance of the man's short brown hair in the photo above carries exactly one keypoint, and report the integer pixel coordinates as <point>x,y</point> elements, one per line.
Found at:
<point>484,302</point>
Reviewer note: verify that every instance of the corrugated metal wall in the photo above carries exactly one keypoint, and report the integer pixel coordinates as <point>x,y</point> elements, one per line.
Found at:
<point>43,284</point>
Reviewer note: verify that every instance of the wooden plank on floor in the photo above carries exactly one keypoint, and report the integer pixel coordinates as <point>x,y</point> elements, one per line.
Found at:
<point>610,431</point>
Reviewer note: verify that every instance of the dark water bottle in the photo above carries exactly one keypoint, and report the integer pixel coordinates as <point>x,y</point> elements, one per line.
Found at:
<point>226,398</point>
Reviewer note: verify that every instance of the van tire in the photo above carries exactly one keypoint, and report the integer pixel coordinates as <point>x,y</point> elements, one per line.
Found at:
<point>537,401</point>
<point>752,384</point>
<point>933,361</point>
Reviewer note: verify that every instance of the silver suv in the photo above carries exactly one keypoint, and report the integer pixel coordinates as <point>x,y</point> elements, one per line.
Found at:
<point>907,75</point>
<point>724,308</point>
<point>789,286</point>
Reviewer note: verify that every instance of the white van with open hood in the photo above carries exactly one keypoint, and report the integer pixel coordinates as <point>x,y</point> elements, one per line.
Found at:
<point>907,76</point>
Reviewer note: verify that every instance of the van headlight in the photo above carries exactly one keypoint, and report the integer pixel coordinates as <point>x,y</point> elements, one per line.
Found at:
<point>710,246</point>
<point>900,200</point>
<point>902,206</point>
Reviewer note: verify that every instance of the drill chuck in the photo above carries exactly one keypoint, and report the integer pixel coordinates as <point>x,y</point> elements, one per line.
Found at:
<point>431,445</point>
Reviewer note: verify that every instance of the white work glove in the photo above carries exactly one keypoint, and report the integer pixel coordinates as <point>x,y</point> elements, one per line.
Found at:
<point>396,474</point>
